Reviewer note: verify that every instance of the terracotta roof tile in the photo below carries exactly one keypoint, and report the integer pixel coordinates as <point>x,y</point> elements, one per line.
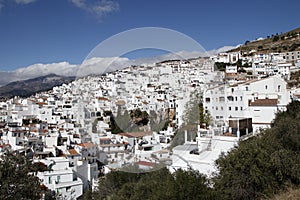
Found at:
<point>87,145</point>
<point>73,152</point>
<point>136,134</point>
<point>264,102</point>
<point>145,163</point>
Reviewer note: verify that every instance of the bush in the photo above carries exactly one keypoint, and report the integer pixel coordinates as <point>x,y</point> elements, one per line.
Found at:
<point>262,165</point>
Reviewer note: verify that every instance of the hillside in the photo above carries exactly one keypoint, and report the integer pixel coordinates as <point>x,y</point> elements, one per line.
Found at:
<point>289,41</point>
<point>290,194</point>
<point>29,87</point>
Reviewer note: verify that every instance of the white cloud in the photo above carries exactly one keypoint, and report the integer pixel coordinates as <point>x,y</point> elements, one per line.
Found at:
<point>98,65</point>
<point>220,50</point>
<point>24,1</point>
<point>98,8</point>
<point>3,2</point>
<point>36,70</point>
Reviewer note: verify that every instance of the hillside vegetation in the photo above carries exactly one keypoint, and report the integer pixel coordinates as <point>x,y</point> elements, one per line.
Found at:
<point>289,41</point>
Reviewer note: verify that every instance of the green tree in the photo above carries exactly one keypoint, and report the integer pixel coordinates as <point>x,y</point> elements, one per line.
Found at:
<point>221,66</point>
<point>88,195</point>
<point>265,164</point>
<point>275,38</point>
<point>157,185</point>
<point>17,180</point>
<point>191,113</point>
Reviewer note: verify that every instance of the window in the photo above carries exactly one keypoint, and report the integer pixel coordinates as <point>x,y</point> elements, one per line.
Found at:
<point>221,99</point>
<point>230,98</point>
<point>235,98</point>
<point>278,87</point>
<point>221,107</point>
<point>207,100</point>
<point>241,108</point>
<point>232,89</point>
<point>266,87</point>
<point>241,98</point>
<point>217,108</point>
<point>229,108</point>
<point>236,108</point>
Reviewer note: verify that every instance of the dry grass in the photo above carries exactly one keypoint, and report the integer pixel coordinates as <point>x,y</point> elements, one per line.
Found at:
<point>290,194</point>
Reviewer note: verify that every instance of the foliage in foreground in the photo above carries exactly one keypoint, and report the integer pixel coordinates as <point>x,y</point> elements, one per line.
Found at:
<point>261,166</point>
<point>160,184</point>
<point>16,178</point>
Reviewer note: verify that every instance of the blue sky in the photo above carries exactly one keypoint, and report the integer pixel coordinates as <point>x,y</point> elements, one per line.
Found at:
<point>47,31</point>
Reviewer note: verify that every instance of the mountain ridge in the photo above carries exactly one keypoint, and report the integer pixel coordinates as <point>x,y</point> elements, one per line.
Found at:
<point>26,88</point>
<point>284,42</point>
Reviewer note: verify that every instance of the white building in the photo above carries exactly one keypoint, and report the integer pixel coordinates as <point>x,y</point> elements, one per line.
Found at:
<point>225,101</point>
<point>201,155</point>
<point>61,179</point>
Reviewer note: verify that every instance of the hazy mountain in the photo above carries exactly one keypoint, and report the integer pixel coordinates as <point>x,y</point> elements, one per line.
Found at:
<point>31,86</point>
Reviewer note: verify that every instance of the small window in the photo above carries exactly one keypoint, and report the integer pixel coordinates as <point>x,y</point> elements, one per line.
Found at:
<point>236,108</point>
<point>229,108</point>
<point>241,108</point>
<point>266,87</point>
<point>230,98</point>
